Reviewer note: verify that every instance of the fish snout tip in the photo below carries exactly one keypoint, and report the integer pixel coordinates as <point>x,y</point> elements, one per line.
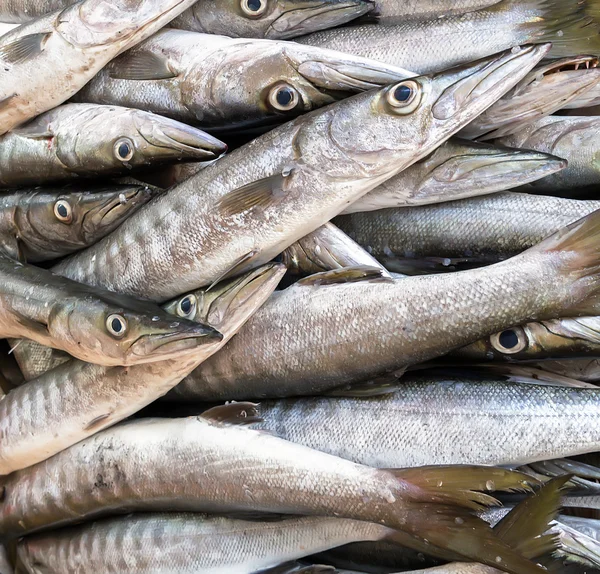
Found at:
<point>194,143</point>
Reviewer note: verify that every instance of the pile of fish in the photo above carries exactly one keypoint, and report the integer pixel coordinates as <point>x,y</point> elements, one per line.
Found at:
<point>299,286</point>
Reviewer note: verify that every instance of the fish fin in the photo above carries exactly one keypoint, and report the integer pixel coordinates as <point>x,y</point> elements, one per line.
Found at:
<point>373,388</point>
<point>581,241</point>
<point>13,248</point>
<point>242,413</point>
<point>345,275</point>
<point>38,128</point>
<point>141,66</point>
<point>235,269</point>
<point>4,102</point>
<point>262,193</point>
<point>577,547</point>
<point>97,423</point>
<point>41,329</point>
<point>24,48</point>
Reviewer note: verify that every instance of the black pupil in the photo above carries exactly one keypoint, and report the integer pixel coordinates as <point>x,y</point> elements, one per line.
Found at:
<point>284,96</point>
<point>186,305</point>
<point>116,325</point>
<point>124,150</point>
<point>254,5</point>
<point>402,93</point>
<point>508,339</point>
<point>62,210</point>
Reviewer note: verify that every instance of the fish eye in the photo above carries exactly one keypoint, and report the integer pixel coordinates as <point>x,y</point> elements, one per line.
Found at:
<point>404,97</point>
<point>254,8</point>
<point>186,307</point>
<point>116,325</point>
<point>509,341</point>
<point>123,149</point>
<point>283,97</point>
<point>63,211</point>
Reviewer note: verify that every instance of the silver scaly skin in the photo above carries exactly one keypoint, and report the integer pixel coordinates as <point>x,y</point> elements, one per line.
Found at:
<point>230,83</point>
<point>222,218</point>
<point>76,400</point>
<point>88,140</point>
<point>54,56</point>
<point>389,12</point>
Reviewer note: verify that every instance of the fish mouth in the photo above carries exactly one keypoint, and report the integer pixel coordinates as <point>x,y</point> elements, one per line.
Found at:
<point>469,90</point>
<point>306,16</point>
<point>161,346</point>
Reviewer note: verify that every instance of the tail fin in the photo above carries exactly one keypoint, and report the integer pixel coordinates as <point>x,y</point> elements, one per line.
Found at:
<point>441,524</point>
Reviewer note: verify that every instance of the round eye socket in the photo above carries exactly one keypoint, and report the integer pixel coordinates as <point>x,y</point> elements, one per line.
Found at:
<point>404,97</point>
<point>116,325</point>
<point>63,211</point>
<point>123,149</point>
<point>283,97</point>
<point>254,8</point>
<point>510,341</point>
<point>187,306</point>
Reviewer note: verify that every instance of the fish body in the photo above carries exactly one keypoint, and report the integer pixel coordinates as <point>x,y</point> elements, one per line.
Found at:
<point>443,420</point>
<point>48,223</point>
<point>77,399</point>
<point>589,99</point>
<point>436,44</point>
<point>86,140</point>
<point>572,138</point>
<point>91,324</point>
<point>222,218</point>
<point>389,12</point>
<point>46,61</point>
<point>217,82</point>
<point>312,337</point>
<point>477,230</point>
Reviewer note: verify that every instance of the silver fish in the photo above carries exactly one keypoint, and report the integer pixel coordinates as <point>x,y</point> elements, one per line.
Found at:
<point>49,59</point>
<point>87,140</point>
<point>390,12</point>
<point>222,218</point>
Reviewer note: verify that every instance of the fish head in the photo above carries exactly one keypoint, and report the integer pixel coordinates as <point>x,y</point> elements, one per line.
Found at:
<point>276,19</point>
<point>385,130</point>
<point>113,329</point>
<point>462,168</point>
<point>99,23</point>
<point>116,140</point>
<point>258,82</point>
<point>227,305</point>
<point>80,218</point>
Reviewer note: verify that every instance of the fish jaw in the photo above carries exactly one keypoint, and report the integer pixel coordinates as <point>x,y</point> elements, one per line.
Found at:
<point>299,17</point>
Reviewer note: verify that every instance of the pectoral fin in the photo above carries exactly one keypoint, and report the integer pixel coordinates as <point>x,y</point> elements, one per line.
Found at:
<point>24,49</point>
<point>142,66</point>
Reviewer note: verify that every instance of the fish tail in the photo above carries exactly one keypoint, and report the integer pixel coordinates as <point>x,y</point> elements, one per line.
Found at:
<point>575,250</point>
<point>573,26</point>
<point>439,516</point>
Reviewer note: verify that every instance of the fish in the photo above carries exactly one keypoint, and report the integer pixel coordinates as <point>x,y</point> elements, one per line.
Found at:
<point>589,99</point>
<point>220,221</point>
<point>429,46</point>
<point>458,169</point>
<point>317,335</point>
<point>443,418</point>
<point>212,544</point>
<point>227,84</point>
<point>87,140</point>
<point>389,12</point>
<point>548,88</point>
<point>325,249</point>
<point>470,232</point>
<point>91,324</point>
<point>5,565</point>
<point>77,399</point>
<point>226,467</point>
<point>35,359</point>
<point>41,224</point>
<point>54,56</point>
<point>573,138</point>
<point>560,338</point>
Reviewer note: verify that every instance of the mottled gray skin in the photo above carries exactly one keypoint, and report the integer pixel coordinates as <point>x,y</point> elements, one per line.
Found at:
<point>31,229</point>
<point>218,82</point>
<point>573,138</point>
<point>311,338</point>
<point>67,48</point>
<point>459,169</point>
<point>436,44</point>
<point>76,400</point>
<point>83,140</point>
<point>477,230</point>
<point>199,230</point>
<point>187,543</point>
<point>57,312</point>
<point>431,420</point>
